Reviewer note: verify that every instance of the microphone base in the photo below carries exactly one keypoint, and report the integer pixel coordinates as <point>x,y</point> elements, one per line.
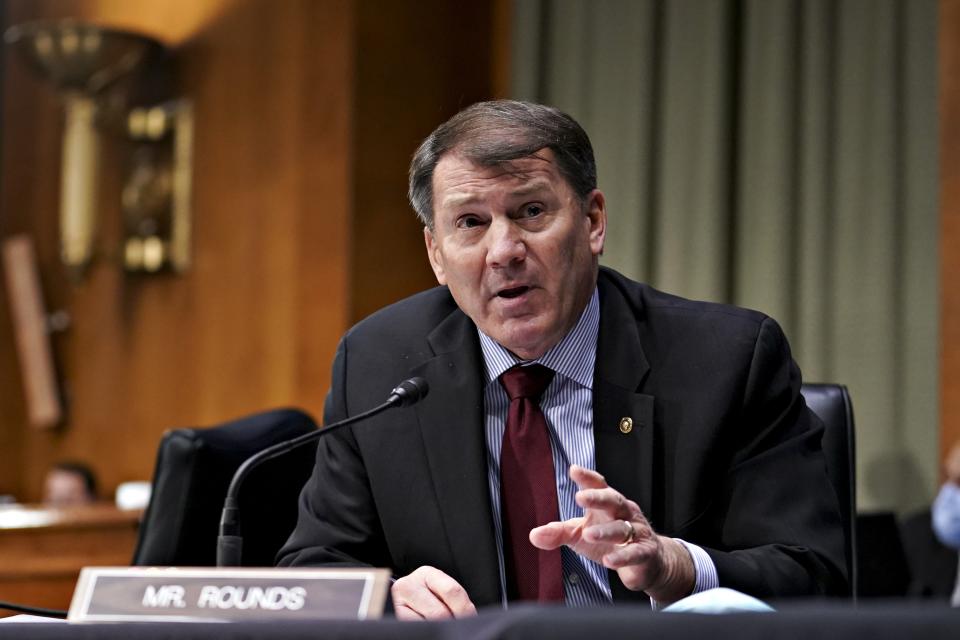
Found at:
<point>229,551</point>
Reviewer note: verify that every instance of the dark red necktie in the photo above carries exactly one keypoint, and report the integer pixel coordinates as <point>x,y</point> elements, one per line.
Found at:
<point>528,488</point>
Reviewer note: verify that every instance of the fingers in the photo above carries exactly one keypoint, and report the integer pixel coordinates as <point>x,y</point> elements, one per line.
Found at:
<point>403,612</point>
<point>586,478</point>
<point>611,502</point>
<point>430,594</point>
<point>556,534</point>
<point>613,532</point>
<point>639,553</point>
<point>617,532</point>
<point>596,494</point>
<point>639,565</point>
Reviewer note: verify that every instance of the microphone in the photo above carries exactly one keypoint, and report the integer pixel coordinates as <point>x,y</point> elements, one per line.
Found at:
<point>406,393</point>
<point>230,542</point>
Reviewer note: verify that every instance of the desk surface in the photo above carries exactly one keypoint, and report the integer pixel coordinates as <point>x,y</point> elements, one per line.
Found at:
<point>875,621</point>
<point>19,517</point>
<point>42,549</point>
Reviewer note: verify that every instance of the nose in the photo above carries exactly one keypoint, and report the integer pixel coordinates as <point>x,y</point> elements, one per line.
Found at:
<point>506,244</point>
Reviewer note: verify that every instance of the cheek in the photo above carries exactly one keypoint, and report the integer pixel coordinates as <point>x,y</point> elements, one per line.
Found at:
<point>448,264</point>
<point>463,266</point>
<point>569,253</point>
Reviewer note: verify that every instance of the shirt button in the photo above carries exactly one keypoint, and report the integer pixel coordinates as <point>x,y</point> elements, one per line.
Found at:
<point>573,578</point>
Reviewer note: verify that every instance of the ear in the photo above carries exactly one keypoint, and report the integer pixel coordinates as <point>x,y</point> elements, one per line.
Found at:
<point>434,255</point>
<point>597,216</point>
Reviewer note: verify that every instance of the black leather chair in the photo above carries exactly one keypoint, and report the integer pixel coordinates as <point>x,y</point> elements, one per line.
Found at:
<point>932,565</point>
<point>194,468</point>
<point>831,403</point>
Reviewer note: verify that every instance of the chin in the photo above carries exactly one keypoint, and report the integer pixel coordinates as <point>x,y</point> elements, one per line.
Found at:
<point>528,344</point>
<point>519,333</point>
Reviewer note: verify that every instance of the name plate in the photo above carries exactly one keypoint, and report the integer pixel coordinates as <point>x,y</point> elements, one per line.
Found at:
<point>203,594</point>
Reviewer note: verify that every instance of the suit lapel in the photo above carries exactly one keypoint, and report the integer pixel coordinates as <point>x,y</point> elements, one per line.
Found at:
<point>623,417</point>
<point>451,423</point>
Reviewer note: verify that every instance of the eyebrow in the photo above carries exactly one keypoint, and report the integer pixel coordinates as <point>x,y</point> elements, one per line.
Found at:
<point>460,199</point>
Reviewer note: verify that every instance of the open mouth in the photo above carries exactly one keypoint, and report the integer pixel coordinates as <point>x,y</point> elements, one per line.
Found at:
<point>513,292</point>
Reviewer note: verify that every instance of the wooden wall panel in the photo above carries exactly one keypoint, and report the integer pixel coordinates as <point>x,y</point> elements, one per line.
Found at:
<point>949,76</point>
<point>9,375</point>
<point>501,56</point>
<point>423,62</point>
<point>272,89</point>
<point>307,112</point>
<point>30,156</point>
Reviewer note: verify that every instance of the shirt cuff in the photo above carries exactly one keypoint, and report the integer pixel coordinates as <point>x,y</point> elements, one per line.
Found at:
<point>705,571</point>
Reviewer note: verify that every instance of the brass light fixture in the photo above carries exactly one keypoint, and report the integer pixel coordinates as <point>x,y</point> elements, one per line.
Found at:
<point>90,66</point>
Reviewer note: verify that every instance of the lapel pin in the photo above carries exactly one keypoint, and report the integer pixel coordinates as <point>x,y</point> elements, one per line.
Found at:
<point>626,425</point>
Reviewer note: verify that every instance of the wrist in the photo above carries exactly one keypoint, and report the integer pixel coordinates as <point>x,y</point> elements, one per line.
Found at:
<point>678,575</point>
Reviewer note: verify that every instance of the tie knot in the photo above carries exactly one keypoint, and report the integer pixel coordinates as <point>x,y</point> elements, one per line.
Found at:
<point>526,382</point>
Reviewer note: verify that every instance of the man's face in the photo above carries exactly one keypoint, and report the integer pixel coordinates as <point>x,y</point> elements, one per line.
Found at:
<point>516,247</point>
<point>63,488</point>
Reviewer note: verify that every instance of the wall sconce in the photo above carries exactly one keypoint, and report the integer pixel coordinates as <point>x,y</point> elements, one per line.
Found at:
<point>92,68</point>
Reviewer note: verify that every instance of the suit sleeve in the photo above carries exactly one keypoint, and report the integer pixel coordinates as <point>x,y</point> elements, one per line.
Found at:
<point>337,522</point>
<point>776,525</point>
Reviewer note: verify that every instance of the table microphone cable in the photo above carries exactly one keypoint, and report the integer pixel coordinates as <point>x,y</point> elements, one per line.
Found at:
<point>37,611</point>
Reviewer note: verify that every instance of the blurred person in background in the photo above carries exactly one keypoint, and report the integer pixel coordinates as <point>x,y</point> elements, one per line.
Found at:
<point>931,539</point>
<point>69,484</point>
<point>945,515</point>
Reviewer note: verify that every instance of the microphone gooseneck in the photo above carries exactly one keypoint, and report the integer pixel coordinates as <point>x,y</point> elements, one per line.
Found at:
<point>230,542</point>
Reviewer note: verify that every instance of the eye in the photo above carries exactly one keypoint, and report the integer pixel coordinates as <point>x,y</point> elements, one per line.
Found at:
<point>468,221</point>
<point>531,210</point>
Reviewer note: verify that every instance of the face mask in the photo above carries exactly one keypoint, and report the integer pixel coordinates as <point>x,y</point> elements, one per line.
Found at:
<point>946,515</point>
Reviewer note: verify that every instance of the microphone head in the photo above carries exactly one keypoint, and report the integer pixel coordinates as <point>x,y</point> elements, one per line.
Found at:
<point>409,392</point>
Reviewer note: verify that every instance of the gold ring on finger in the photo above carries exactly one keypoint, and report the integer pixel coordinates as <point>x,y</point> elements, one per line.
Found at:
<point>629,533</point>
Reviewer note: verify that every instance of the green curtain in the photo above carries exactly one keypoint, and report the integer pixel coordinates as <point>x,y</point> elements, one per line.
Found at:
<point>779,155</point>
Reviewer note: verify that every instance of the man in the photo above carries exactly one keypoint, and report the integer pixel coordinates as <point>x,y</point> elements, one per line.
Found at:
<point>69,484</point>
<point>683,456</point>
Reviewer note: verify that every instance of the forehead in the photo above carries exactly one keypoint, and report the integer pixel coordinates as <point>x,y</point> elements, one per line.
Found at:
<point>64,476</point>
<point>63,482</point>
<point>457,179</point>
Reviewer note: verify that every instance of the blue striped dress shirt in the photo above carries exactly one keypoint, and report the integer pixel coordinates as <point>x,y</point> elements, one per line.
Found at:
<point>567,405</point>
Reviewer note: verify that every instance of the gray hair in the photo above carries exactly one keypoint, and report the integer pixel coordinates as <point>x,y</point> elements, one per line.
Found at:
<point>497,132</point>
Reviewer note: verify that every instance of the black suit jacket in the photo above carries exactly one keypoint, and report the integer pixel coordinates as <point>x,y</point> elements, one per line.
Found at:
<point>724,452</point>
